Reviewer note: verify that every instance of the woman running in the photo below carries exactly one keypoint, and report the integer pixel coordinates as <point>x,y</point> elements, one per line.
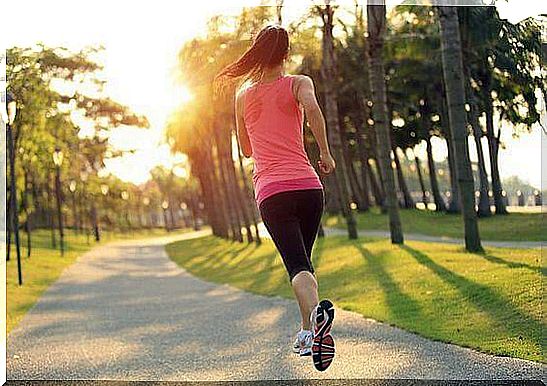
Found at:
<point>288,191</point>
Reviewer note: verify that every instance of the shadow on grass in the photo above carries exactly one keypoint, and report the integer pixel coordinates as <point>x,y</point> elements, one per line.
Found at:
<point>400,304</point>
<point>318,251</point>
<point>500,310</point>
<point>267,271</point>
<point>511,264</point>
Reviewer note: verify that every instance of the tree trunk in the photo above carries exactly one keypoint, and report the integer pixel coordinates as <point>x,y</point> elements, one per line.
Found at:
<point>439,202</point>
<point>228,203</point>
<point>8,225</point>
<point>355,188</point>
<point>241,199</point>
<point>172,215</point>
<point>221,207</point>
<point>483,209</point>
<point>454,205</point>
<point>28,227</point>
<point>59,201</point>
<point>359,193</point>
<point>363,158</point>
<point>407,198</point>
<point>248,194</point>
<point>213,203</point>
<point>376,30</point>
<point>50,211</point>
<point>328,72</point>
<point>376,187</point>
<point>204,163</point>
<point>484,201</point>
<point>95,222</point>
<point>455,96</point>
<point>421,179</point>
<point>232,211</point>
<point>493,147</point>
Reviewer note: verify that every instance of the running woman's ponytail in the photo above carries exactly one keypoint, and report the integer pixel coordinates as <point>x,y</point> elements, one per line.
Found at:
<point>269,49</point>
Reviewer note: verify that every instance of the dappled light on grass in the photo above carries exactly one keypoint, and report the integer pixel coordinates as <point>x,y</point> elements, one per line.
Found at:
<point>491,301</point>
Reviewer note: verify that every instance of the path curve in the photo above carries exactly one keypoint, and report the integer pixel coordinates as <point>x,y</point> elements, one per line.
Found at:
<point>126,311</point>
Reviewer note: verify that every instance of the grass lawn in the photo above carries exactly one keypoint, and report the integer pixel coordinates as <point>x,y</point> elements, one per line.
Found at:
<point>491,302</point>
<point>46,264</point>
<point>513,227</point>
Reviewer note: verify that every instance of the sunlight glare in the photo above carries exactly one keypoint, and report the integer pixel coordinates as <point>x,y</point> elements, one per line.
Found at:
<point>185,95</point>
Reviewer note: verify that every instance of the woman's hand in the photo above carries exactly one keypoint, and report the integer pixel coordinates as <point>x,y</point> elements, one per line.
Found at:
<point>326,163</point>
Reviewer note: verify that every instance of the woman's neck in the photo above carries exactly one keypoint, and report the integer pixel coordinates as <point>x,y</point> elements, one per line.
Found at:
<point>272,74</point>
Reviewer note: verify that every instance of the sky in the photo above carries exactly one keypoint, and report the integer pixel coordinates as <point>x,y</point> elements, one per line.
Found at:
<point>141,41</point>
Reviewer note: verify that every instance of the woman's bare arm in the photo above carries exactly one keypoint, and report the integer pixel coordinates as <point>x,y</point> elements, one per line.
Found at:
<point>242,136</point>
<point>305,94</point>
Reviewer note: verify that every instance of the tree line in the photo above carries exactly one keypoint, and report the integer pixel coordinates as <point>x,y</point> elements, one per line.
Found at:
<point>60,146</point>
<point>387,83</point>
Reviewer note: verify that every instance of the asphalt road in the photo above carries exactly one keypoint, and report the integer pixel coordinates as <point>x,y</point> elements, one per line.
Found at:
<point>126,311</point>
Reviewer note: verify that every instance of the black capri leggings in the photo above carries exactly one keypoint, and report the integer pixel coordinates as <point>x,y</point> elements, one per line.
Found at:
<point>292,218</point>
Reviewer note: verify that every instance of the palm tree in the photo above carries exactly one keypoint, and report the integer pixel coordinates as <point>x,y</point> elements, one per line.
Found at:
<point>483,209</point>
<point>503,61</point>
<point>454,204</point>
<point>376,15</point>
<point>328,72</point>
<point>474,113</point>
<point>455,95</point>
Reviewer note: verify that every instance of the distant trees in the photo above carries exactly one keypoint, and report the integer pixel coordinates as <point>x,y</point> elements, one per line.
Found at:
<point>48,85</point>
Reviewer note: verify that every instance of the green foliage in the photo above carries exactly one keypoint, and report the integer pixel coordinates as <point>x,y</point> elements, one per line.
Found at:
<point>47,84</point>
<point>505,63</point>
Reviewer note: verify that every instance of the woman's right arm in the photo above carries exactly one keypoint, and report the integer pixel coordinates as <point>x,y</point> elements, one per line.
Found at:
<point>242,135</point>
<point>305,94</point>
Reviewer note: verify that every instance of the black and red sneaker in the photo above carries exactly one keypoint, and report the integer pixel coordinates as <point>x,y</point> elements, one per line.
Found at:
<point>323,343</point>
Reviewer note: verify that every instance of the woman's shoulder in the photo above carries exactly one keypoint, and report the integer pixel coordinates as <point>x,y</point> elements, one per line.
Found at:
<point>243,90</point>
<point>300,79</point>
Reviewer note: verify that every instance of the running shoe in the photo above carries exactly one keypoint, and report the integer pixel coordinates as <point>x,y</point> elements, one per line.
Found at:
<point>303,343</point>
<point>323,343</point>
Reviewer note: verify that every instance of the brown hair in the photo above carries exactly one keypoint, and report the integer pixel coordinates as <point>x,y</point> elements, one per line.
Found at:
<point>269,49</point>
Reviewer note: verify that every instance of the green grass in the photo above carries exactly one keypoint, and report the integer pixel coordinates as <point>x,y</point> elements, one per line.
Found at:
<point>46,265</point>
<point>490,302</point>
<point>513,227</point>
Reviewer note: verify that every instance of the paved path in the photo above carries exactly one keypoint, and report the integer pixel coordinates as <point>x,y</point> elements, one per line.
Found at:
<point>125,311</point>
<point>418,237</point>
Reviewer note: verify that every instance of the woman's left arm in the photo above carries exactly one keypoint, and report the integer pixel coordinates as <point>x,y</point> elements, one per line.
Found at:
<point>242,135</point>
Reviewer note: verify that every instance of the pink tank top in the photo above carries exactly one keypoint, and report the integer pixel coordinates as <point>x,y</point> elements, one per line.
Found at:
<point>273,119</point>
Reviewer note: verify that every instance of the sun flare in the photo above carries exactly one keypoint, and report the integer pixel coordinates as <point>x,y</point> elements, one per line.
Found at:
<point>185,95</point>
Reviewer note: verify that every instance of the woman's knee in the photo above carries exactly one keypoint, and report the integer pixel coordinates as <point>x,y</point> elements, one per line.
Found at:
<point>303,274</point>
